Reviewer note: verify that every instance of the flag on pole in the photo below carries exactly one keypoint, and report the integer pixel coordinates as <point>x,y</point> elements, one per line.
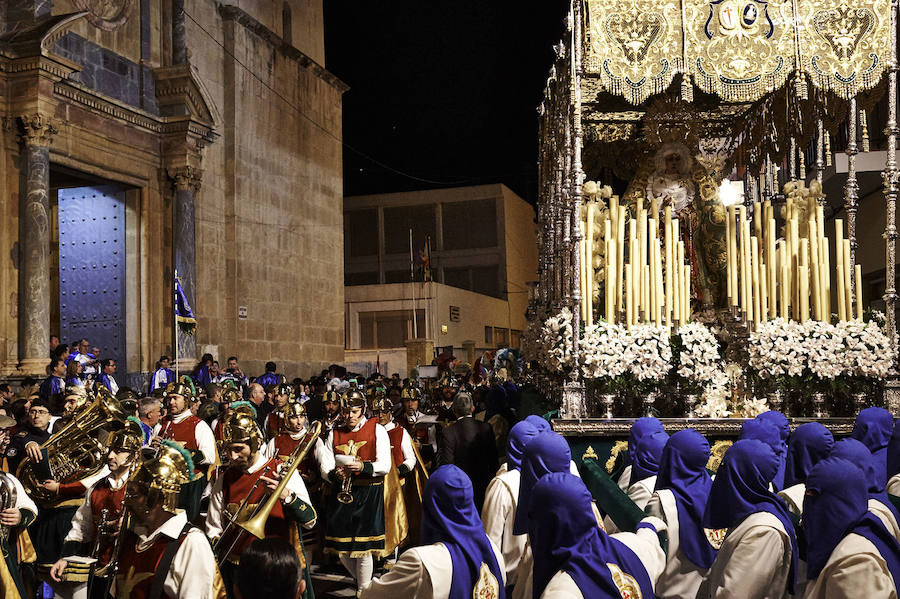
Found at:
<point>184,316</point>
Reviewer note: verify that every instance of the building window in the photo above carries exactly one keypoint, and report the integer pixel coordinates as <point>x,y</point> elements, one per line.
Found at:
<point>480,279</point>
<point>389,329</point>
<point>286,23</point>
<point>501,337</point>
<point>489,335</point>
<point>361,232</point>
<point>469,225</point>
<point>399,220</point>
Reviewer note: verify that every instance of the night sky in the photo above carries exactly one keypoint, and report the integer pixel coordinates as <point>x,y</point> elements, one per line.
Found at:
<point>445,92</point>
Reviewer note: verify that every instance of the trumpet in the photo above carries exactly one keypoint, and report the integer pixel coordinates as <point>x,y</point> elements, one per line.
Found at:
<point>345,495</point>
<point>255,523</point>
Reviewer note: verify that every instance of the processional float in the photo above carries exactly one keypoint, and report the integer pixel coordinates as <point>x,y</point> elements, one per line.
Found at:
<point>724,279</point>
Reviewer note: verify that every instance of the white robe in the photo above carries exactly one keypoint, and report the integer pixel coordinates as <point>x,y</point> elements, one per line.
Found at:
<point>753,563</point>
<point>886,516</point>
<point>893,485</point>
<point>424,572</point>
<point>681,577</point>
<point>498,514</point>
<point>645,545</point>
<point>854,570</point>
<point>793,497</point>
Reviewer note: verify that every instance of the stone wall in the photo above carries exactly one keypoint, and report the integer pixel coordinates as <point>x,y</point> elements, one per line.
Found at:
<point>268,209</point>
<point>269,220</point>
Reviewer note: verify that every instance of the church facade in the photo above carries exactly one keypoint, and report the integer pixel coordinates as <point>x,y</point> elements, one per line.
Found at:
<point>141,138</point>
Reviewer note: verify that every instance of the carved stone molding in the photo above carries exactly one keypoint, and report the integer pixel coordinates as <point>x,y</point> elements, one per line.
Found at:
<point>38,129</point>
<point>186,177</point>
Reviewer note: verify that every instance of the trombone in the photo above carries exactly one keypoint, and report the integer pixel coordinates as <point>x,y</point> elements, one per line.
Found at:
<point>255,523</point>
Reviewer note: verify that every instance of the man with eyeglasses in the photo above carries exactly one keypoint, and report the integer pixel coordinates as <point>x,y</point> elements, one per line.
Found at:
<point>28,441</point>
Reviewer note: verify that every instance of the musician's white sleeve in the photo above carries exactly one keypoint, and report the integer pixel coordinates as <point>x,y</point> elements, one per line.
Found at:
<point>214,514</point>
<point>326,463</point>
<point>206,442</point>
<point>82,529</point>
<point>382,462</point>
<point>409,456</point>
<point>23,500</point>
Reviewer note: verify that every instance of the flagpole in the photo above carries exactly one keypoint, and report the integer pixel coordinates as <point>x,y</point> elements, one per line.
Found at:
<point>412,281</point>
<point>175,319</point>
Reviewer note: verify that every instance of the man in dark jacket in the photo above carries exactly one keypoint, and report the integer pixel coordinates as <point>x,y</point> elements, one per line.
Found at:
<point>469,444</point>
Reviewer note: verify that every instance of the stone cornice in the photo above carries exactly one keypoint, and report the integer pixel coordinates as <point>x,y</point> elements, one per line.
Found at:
<point>95,102</point>
<point>55,66</point>
<point>39,129</point>
<point>233,13</point>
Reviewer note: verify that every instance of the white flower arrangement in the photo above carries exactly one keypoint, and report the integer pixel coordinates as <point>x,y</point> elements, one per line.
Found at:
<point>699,360</point>
<point>824,348</point>
<point>602,348</point>
<point>556,342</point>
<point>648,352</point>
<point>867,350</point>
<point>777,349</point>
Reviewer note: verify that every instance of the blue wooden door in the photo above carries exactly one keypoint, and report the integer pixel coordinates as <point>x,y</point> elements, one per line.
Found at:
<point>92,268</point>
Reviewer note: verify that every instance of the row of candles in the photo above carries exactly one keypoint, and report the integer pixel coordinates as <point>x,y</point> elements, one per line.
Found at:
<point>767,276</point>
<point>643,265</point>
<point>790,276</point>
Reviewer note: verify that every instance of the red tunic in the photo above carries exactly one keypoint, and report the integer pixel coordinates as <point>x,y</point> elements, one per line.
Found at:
<point>236,485</point>
<point>274,424</point>
<point>285,446</point>
<point>105,497</point>
<point>184,433</point>
<point>363,442</point>
<point>396,437</point>
<point>136,571</point>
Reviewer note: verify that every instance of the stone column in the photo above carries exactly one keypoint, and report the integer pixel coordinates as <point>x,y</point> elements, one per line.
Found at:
<point>179,46</point>
<point>187,183</point>
<point>34,245</point>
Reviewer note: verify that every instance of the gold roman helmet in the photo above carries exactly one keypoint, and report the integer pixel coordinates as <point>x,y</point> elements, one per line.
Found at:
<point>231,395</point>
<point>382,404</point>
<point>353,398</point>
<point>294,408</point>
<point>413,393</point>
<point>331,396</point>
<point>160,478</point>
<point>184,387</point>
<point>286,389</point>
<point>77,395</point>
<point>242,428</point>
<point>244,407</point>
<point>130,438</point>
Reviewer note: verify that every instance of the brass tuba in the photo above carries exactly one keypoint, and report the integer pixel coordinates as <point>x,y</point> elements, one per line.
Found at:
<point>74,452</point>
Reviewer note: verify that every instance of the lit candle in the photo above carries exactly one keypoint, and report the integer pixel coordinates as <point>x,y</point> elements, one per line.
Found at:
<point>732,242</point>
<point>848,287</point>
<point>629,297</point>
<point>610,296</point>
<point>772,264</point>
<point>667,233</point>
<point>728,255</point>
<point>839,268</point>
<point>814,267</point>
<point>645,291</point>
<point>826,270</point>
<point>683,302</point>
<point>589,257</point>
<point>620,256</point>
<point>859,294</point>
<point>804,293</point>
